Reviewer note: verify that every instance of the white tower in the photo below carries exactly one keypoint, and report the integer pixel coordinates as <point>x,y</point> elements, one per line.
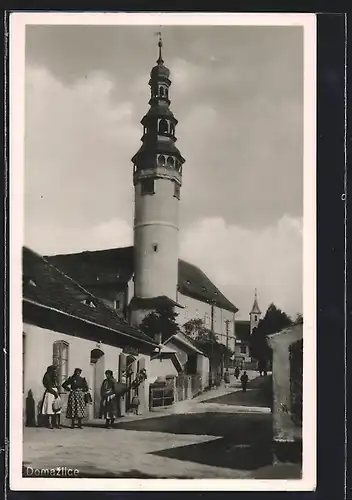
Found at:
<point>254,315</point>
<point>157,178</point>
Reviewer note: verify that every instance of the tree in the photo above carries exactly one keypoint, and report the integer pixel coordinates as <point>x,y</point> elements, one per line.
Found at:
<point>196,330</point>
<point>298,319</point>
<point>274,321</point>
<point>160,324</point>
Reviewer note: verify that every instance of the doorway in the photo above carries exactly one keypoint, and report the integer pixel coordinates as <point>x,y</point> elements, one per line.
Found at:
<point>132,370</point>
<point>97,363</point>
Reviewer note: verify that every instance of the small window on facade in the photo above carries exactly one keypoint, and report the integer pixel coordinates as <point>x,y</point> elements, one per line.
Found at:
<point>170,161</point>
<point>167,93</point>
<point>172,129</point>
<point>60,360</point>
<point>116,304</point>
<point>255,318</point>
<point>177,191</point>
<point>147,186</point>
<point>155,247</point>
<point>161,91</point>
<point>88,302</point>
<point>243,349</point>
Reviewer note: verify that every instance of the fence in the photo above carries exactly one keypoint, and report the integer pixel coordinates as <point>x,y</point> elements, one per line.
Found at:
<point>174,389</point>
<point>160,396</point>
<point>188,386</point>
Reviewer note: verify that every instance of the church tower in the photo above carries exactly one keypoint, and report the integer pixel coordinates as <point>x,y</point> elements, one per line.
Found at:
<point>254,315</point>
<point>157,179</point>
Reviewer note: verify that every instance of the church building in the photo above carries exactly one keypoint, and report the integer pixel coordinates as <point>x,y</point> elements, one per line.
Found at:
<point>138,279</point>
<point>244,330</point>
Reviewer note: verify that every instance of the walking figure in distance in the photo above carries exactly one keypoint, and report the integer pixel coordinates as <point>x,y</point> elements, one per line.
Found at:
<point>244,381</point>
<point>237,372</point>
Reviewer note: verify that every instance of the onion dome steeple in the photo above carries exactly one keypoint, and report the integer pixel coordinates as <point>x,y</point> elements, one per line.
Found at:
<point>158,156</point>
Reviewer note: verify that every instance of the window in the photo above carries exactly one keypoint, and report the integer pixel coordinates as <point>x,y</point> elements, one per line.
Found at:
<point>147,186</point>
<point>255,318</point>
<point>167,93</point>
<point>177,191</point>
<point>60,360</point>
<point>88,302</point>
<point>161,160</point>
<point>243,349</point>
<point>116,304</point>
<point>170,161</point>
<point>161,91</point>
<point>163,126</point>
<point>172,129</point>
<point>155,247</point>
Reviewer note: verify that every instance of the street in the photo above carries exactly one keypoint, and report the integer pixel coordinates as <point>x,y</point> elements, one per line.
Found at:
<point>222,434</point>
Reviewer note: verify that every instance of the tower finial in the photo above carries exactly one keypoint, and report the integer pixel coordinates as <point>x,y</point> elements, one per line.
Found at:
<point>160,44</point>
<point>255,293</point>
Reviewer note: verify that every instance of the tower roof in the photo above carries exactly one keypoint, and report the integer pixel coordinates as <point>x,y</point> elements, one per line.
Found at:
<point>255,308</point>
<point>160,71</point>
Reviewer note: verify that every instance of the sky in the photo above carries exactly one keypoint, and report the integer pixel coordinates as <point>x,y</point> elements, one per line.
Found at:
<point>237,92</point>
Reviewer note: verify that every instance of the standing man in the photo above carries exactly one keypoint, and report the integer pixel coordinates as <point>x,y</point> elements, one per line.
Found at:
<point>244,381</point>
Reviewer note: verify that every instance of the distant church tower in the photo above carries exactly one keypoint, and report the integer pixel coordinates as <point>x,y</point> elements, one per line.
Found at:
<point>157,179</point>
<point>254,315</point>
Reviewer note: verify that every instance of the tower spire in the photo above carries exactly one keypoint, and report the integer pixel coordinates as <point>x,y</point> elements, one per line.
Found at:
<point>255,308</point>
<point>160,44</point>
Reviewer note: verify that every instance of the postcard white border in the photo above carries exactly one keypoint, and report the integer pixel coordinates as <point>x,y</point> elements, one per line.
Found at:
<point>18,22</point>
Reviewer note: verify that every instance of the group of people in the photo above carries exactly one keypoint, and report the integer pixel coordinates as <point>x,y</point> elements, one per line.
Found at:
<point>79,397</point>
<point>243,379</point>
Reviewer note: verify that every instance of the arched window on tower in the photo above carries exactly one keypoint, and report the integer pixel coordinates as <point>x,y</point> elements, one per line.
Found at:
<point>172,129</point>
<point>167,93</point>
<point>163,126</point>
<point>161,91</point>
<point>161,160</point>
<point>170,161</point>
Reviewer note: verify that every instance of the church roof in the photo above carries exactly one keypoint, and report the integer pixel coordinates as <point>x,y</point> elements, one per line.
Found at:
<point>255,308</point>
<point>45,285</point>
<point>116,265</point>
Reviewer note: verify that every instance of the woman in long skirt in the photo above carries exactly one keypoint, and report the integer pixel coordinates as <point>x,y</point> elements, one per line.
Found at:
<point>51,403</point>
<point>76,405</point>
<point>110,401</point>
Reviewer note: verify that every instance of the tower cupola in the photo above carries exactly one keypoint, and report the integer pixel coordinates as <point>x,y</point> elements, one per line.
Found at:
<point>158,156</point>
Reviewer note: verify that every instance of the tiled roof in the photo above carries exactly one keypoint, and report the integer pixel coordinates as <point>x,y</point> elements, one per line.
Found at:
<point>116,265</point>
<point>153,303</point>
<point>196,284</point>
<point>46,285</point>
<point>242,330</point>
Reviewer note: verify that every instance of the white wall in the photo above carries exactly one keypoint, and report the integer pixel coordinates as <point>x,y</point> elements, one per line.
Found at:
<point>161,368</point>
<point>39,355</point>
<point>203,370</point>
<point>156,223</point>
